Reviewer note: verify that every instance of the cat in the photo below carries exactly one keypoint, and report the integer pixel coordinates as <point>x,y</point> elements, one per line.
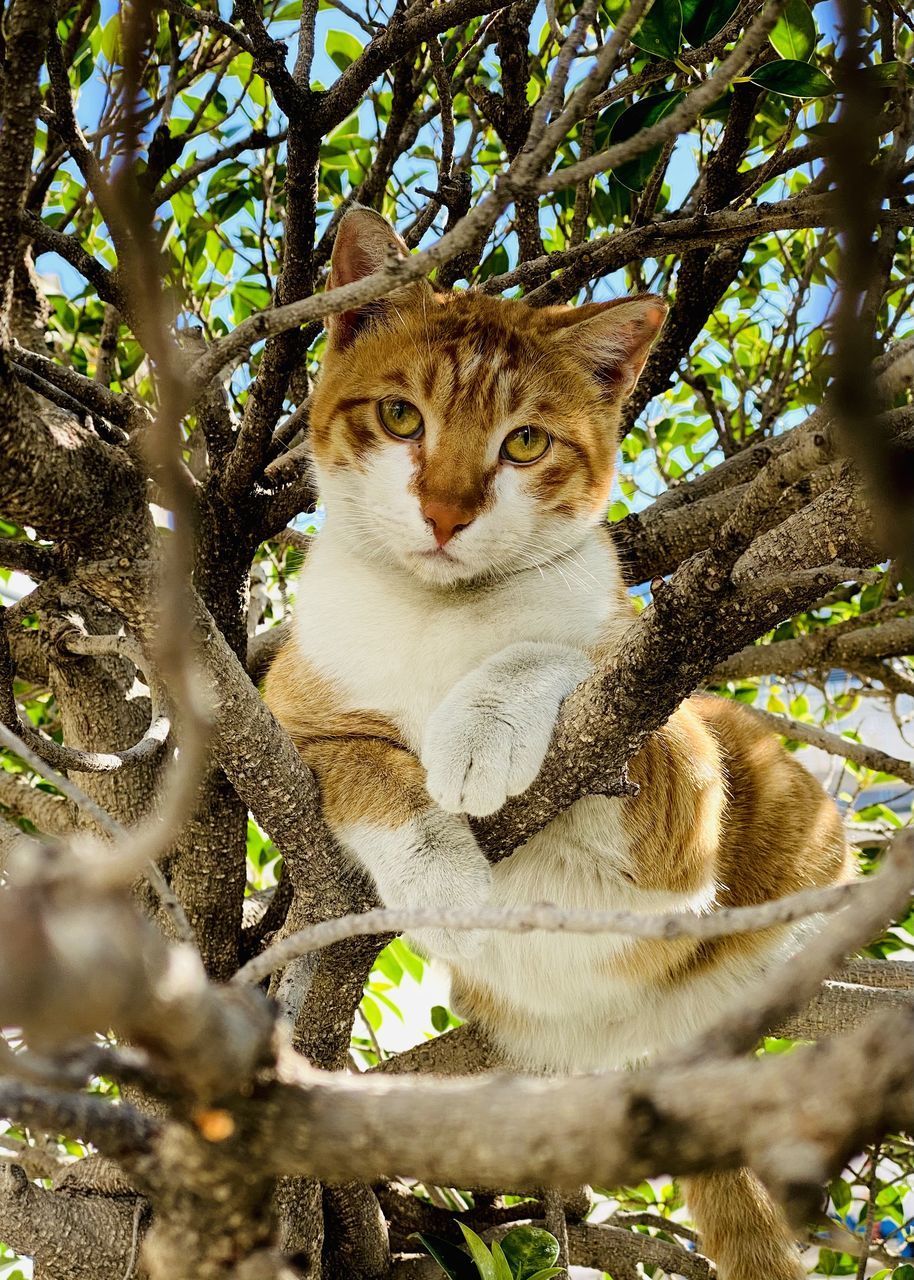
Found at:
<point>463,584</point>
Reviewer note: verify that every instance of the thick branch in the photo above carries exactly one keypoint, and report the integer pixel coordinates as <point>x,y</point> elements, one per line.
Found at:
<point>67,1234</point>
<point>51,814</point>
<point>115,407</point>
<point>57,477</point>
<point>113,969</point>
<point>47,239</point>
<point>91,1117</point>
<point>27,23</point>
<point>608,1130</point>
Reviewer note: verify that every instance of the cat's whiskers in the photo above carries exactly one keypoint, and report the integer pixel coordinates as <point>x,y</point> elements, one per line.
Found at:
<point>548,553</point>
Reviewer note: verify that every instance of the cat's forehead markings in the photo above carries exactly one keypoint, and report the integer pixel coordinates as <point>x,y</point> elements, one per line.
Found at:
<point>506,391</point>
<point>472,366</point>
<point>480,329</point>
<point>348,403</point>
<point>429,377</point>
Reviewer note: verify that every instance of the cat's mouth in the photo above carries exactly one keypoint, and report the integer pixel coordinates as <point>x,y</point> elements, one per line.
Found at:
<point>438,566</point>
<point>438,554</point>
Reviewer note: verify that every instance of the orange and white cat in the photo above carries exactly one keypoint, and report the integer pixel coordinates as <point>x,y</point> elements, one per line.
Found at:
<point>462,585</point>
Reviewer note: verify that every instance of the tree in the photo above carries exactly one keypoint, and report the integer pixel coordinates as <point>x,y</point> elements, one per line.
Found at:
<point>178,176</point>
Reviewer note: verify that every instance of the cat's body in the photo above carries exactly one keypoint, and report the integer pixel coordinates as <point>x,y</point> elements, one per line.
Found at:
<point>455,596</point>
<point>395,648</point>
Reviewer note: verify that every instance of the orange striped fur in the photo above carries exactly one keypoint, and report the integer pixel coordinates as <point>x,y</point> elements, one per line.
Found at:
<point>453,599</point>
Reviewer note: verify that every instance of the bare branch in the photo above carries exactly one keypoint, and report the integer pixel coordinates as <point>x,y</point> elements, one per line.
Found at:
<point>27,25</point>
<point>95,398</point>
<point>676,1119</point>
<point>47,239</point>
<point>815,736</point>
<point>870,635</point>
<point>679,924</point>
<point>681,118</point>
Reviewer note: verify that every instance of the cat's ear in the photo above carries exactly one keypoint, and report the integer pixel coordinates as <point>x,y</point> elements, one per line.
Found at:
<point>613,339</point>
<point>364,243</point>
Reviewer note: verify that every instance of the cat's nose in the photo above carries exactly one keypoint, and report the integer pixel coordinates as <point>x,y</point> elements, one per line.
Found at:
<point>446,520</point>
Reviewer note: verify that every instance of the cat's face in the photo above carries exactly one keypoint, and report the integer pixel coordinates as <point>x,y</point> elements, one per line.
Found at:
<point>463,437</point>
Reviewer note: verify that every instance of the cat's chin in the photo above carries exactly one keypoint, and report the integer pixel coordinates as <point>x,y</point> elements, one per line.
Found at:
<point>439,568</point>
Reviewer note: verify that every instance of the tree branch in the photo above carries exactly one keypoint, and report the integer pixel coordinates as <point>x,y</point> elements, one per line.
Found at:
<point>678,924</point>
<point>815,736</point>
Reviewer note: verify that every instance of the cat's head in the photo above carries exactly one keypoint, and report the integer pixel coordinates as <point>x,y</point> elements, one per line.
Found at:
<point>465,437</point>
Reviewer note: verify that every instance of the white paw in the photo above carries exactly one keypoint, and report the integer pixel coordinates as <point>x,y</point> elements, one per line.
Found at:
<point>487,739</point>
<point>431,862</point>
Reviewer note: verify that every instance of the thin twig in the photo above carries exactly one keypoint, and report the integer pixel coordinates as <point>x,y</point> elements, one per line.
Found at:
<point>677,924</point>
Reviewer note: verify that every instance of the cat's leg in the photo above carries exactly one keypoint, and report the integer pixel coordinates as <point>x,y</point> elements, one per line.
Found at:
<point>376,804</point>
<point>740,1228</point>
<point>486,740</point>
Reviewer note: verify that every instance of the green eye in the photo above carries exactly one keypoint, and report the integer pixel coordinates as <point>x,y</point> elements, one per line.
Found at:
<point>400,419</point>
<point>526,444</point>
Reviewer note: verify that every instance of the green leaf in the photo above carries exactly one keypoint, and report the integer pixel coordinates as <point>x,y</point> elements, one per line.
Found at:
<point>111,33</point>
<point>529,1250</point>
<point>635,173</point>
<point>388,964</point>
<point>413,964</point>
<point>257,91</point>
<point>605,123</point>
<point>793,79</point>
<point>903,1272</point>
<point>794,34</point>
<point>719,110</point>
<point>703,19</point>
<point>502,1270</point>
<point>840,1192</point>
<point>241,66</point>
<point>441,1019</point>
<point>893,74</point>
<point>888,1195</point>
<point>386,1000</point>
<point>485,1264</point>
<point>660,30</point>
<point>342,47</point>
<point>371,1013</point>
<point>453,1261</point>
<point>493,265</point>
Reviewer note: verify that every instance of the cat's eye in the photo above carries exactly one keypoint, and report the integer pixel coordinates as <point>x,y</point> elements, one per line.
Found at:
<point>401,419</point>
<point>526,444</point>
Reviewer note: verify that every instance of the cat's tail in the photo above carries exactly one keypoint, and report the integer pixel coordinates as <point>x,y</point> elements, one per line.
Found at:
<point>741,1228</point>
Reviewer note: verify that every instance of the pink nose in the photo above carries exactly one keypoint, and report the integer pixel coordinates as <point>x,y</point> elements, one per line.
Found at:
<point>446,520</point>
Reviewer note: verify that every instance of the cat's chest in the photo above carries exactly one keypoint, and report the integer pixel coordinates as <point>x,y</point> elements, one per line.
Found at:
<point>392,647</point>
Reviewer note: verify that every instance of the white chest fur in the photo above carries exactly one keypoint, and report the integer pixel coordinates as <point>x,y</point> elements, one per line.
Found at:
<point>396,646</point>
<point>392,645</point>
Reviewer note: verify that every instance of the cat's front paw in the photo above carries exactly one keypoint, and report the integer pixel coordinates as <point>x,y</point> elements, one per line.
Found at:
<point>486,740</point>
<point>434,862</point>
